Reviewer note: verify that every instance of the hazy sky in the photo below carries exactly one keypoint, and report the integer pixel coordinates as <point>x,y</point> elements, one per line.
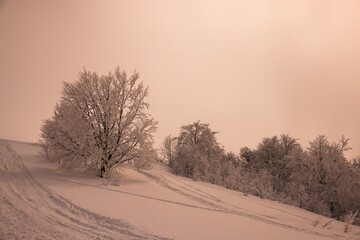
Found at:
<point>251,69</point>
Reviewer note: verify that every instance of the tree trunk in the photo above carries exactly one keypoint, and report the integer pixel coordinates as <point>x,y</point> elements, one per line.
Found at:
<point>102,172</point>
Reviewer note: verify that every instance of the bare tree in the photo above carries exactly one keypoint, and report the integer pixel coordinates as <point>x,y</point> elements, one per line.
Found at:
<point>101,118</point>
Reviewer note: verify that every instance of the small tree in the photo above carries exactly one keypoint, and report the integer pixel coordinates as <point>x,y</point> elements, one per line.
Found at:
<point>100,119</point>
<point>198,153</point>
<point>262,184</point>
<point>167,149</point>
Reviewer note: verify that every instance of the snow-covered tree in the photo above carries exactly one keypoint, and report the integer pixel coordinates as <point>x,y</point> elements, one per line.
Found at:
<point>168,148</point>
<point>272,155</point>
<point>200,135</point>
<point>198,154</point>
<point>329,173</point>
<point>101,120</point>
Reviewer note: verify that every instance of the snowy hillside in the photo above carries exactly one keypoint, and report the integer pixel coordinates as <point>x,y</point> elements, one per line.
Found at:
<point>154,204</point>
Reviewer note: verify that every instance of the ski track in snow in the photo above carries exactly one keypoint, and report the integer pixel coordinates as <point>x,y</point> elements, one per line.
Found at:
<point>28,210</point>
<point>216,204</point>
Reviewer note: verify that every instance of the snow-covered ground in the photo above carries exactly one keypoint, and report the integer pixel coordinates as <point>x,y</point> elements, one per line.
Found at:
<point>42,201</point>
<point>28,210</point>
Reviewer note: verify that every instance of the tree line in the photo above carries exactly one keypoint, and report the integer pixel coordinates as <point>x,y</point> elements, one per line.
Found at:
<point>318,178</point>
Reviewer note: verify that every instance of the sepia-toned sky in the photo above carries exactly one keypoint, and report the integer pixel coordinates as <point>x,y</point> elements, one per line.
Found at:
<point>251,69</point>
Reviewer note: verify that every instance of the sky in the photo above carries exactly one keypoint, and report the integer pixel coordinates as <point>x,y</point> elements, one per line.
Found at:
<point>251,69</point>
